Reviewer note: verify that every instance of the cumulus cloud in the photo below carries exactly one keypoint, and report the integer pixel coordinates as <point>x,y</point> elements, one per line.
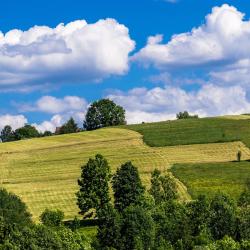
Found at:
<point>58,120</point>
<point>157,104</point>
<point>71,53</point>
<point>61,108</point>
<point>222,40</point>
<point>53,105</point>
<point>15,121</point>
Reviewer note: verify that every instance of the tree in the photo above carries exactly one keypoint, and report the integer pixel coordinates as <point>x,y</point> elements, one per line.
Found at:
<point>222,220</point>
<point>239,156</point>
<point>47,133</point>
<point>94,186</point>
<point>13,210</point>
<point>243,223</point>
<point>127,186</point>
<point>104,113</point>
<point>244,199</point>
<point>172,224</point>
<point>163,187</point>
<point>26,132</point>
<point>198,211</point>
<point>137,229</point>
<point>52,218</point>
<point>69,127</point>
<point>109,229</point>
<point>185,115</point>
<point>7,134</point>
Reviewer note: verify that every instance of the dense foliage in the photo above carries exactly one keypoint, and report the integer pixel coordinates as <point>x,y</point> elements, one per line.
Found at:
<point>94,187</point>
<point>127,186</point>
<point>25,132</point>
<point>137,220</point>
<point>104,113</point>
<point>185,115</point>
<point>69,127</point>
<point>12,210</point>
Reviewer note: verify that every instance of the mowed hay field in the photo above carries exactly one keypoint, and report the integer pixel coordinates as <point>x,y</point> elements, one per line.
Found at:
<point>44,171</point>
<point>209,178</point>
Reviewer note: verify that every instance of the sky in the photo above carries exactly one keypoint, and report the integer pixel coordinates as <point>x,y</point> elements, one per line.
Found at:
<point>153,57</point>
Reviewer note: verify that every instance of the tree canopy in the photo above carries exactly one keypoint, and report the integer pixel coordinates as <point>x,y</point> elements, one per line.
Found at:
<point>104,113</point>
<point>127,186</point>
<point>185,115</point>
<point>94,185</point>
<point>69,127</point>
<point>26,132</point>
<point>13,210</point>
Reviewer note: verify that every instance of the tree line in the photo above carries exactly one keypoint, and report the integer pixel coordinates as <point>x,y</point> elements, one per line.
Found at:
<point>101,113</point>
<point>128,216</point>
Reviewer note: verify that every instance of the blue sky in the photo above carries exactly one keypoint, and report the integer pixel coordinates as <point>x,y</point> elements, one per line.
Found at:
<point>49,74</point>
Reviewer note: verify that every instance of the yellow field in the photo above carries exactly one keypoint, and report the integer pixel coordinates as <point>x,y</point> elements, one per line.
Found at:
<point>44,171</point>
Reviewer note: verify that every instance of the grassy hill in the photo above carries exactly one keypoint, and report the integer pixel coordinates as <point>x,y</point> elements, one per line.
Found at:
<point>208,178</point>
<point>44,171</point>
<point>195,131</point>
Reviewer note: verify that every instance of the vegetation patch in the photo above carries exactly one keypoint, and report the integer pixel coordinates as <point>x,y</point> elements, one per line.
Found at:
<point>44,171</point>
<point>209,178</point>
<point>194,131</point>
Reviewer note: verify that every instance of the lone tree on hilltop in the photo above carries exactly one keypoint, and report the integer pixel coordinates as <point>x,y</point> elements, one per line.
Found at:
<point>94,186</point>
<point>104,113</point>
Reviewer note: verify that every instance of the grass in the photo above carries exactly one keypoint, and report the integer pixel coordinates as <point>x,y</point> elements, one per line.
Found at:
<point>195,131</point>
<point>209,178</point>
<point>44,171</point>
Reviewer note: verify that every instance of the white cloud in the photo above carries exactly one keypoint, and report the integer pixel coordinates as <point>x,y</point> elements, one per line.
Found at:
<point>53,105</point>
<point>58,120</point>
<point>222,40</point>
<point>15,121</point>
<point>71,53</point>
<point>157,104</point>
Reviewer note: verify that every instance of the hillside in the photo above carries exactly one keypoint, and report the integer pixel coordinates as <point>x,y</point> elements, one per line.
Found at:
<point>195,131</point>
<point>44,171</point>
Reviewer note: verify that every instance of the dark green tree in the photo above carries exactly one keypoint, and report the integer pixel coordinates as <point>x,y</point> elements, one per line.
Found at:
<point>198,211</point>
<point>137,229</point>
<point>244,199</point>
<point>94,186</point>
<point>243,223</point>
<point>127,186</point>
<point>163,187</point>
<point>12,210</point>
<point>52,218</point>
<point>26,132</point>
<point>7,134</point>
<point>47,133</point>
<point>69,127</point>
<point>185,115</point>
<point>222,220</point>
<point>109,229</point>
<point>172,223</point>
<point>104,113</point>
